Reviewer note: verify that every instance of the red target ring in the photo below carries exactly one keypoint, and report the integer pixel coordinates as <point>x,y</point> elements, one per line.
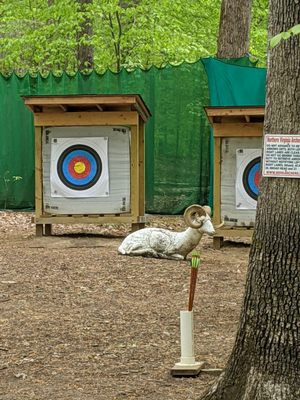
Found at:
<point>79,167</point>
<point>257,178</point>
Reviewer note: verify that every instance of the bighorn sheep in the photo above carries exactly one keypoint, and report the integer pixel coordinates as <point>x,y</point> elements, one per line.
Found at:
<point>162,243</point>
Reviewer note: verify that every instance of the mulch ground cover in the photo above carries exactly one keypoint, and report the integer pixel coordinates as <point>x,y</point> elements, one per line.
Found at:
<point>79,321</point>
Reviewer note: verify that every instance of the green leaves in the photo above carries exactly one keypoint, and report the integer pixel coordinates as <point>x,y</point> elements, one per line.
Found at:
<point>129,34</point>
<point>295,30</point>
<point>38,38</point>
<point>258,34</point>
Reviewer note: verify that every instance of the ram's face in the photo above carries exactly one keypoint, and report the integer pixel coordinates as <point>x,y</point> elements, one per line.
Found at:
<point>207,226</point>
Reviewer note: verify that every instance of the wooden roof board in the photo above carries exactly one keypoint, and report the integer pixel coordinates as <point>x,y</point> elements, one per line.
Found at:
<point>98,101</point>
<point>230,111</point>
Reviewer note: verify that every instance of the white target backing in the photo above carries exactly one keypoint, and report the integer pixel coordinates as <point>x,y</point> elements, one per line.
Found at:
<point>114,156</point>
<point>248,167</point>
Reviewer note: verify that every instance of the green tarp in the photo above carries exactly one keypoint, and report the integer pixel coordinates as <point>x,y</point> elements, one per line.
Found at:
<point>235,85</point>
<point>178,152</point>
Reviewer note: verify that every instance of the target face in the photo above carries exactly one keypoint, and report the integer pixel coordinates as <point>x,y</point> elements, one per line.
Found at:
<point>247,178</point>
<point>79,169</point>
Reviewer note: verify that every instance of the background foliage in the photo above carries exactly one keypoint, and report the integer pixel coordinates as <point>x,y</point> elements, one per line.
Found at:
<point>44,35</point>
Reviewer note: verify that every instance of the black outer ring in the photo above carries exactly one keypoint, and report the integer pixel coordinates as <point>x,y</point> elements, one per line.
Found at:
<point>253,195</point>
<point>64,155</point>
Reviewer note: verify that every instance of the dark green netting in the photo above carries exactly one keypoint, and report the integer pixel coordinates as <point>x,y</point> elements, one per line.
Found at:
<point>177,135</point>
<point>16,147</point>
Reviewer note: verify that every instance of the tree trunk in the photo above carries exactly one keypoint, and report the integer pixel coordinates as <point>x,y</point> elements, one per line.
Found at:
<point>85,52</point>
<point>234,28</point>
<point>264,364</point>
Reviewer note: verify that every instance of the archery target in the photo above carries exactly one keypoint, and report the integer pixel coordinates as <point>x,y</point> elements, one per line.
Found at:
<point>247,178</point>
<point>79,167</point>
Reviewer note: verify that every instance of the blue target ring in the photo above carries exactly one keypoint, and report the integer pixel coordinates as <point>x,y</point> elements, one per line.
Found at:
<point>251,177</point>
<point>82,155</point>
<point>79,167</point>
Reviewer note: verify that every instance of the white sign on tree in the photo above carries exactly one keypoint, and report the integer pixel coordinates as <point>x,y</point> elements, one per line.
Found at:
<point>281,156</point>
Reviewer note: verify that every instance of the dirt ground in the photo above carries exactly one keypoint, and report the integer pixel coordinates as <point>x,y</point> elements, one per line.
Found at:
<point>79,321</point>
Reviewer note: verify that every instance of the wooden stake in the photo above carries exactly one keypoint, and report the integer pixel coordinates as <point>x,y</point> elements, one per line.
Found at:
<point>194,271</point>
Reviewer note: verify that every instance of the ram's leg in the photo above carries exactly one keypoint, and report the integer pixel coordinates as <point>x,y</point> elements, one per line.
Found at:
<point>143,252</point>
<point>171,256</point>
<point>177,257</point>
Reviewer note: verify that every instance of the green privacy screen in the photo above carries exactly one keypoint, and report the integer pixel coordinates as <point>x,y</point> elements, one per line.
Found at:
<point>177,135</point>
<point>16,146</point>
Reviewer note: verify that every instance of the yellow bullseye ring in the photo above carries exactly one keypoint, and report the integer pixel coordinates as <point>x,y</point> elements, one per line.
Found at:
<point>79,167</point>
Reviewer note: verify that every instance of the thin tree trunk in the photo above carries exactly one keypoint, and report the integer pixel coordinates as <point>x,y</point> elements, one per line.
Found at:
<point>116,37</point>
<point>234,28</point>
<point>264,364</point>
<point>85,52</point>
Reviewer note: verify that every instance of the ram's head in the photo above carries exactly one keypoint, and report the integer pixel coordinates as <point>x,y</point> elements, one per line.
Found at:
<point>199,217</point>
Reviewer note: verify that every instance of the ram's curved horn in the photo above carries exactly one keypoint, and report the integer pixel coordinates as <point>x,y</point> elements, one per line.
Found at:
<point>192,213</point>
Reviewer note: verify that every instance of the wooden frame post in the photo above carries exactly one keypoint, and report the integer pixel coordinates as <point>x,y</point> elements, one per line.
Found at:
<point>140,207</point>
<point>217,181</point>
<point>141,129</point>
<point>136,189</point>
<point>38,179</point>
<point>217,241</point>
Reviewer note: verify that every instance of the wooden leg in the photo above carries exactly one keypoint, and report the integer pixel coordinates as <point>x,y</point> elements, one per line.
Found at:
<point>136,226</point>
<point>48,229</point>
<point>218,242</point>
<point>39,230</point>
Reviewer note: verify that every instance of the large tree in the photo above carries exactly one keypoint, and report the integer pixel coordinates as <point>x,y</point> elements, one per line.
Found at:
<point>234,28</point>
<point>265,361</point>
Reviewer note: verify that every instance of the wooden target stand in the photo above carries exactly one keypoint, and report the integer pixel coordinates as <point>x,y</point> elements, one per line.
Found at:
<point>242,127</point>
<point>83,111</point>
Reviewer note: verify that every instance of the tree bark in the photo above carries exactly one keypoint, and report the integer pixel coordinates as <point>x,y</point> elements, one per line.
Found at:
<point>264,364</point>
<point>234,28</point>
<point>85,52</point>
<point>116,36</point>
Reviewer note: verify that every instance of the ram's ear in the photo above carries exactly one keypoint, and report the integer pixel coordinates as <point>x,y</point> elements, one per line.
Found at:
<point>207,210</point>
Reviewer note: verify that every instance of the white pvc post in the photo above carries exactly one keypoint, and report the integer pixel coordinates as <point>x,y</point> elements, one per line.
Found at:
<point>187,365</point>
<point>187,337</point>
